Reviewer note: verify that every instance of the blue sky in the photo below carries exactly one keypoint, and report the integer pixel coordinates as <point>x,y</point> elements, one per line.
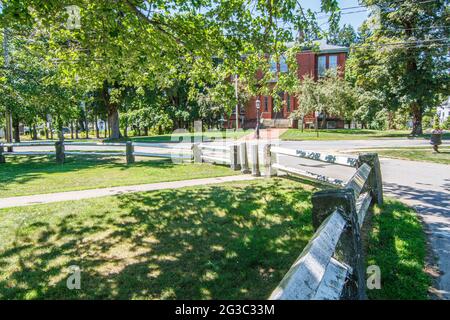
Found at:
<point>348,17</point>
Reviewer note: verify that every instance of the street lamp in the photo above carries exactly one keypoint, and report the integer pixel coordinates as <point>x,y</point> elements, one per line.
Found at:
<point>258,107</point>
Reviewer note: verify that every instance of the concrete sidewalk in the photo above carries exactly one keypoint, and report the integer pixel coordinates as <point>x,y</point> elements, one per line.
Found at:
<point>97,193</point>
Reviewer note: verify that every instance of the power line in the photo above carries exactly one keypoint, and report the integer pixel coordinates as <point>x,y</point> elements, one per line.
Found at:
<point>363,10</point>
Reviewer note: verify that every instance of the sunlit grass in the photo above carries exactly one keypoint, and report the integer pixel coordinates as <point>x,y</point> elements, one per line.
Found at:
<point>349,134</point>
<point>417,154</point>
<point>233,241</point>
<point>397,245</point>
<point>38,175</point>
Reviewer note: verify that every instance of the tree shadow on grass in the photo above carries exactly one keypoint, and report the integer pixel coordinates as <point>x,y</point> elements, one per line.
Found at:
<point>217,242</point>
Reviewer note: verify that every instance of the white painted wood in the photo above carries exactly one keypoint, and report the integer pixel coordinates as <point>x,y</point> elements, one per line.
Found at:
<point>359,179</point>
<point>94,144</point>
<point>215,147</point>
<point>181,146</point>
<point>95,153</point>
<point>303,280</point>
<point>162,155</point>
<point>215,160</point>
<point>314,155</point>
<point>307,174</point>
<point>29,153</point>
<point>362,205</point>
<point>333,281</point>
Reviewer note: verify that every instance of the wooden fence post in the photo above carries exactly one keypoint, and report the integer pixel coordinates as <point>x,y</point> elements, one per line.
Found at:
<point>255,160</point>
<point>374,182</point>
<point>59,152</point>
<point>197,153</point>
<point>350,251</point>
<point>244,158</point>
<point>269,159</point>
<point>234,158</point>
<point>130,152</point>
<point>2,157</point>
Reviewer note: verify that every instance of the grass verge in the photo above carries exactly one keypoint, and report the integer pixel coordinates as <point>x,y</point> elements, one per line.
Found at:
<point>397,244</point>
<point>416,154</point>
<point>38,175</point>
<point>349,134</point>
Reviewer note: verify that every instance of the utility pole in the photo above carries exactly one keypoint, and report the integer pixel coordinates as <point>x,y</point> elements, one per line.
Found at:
<point>9,124</point>
<point>237,100</point>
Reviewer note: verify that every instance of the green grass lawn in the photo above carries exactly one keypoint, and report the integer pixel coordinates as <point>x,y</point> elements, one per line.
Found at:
<point>176,137</point>
<point>416,153</point>
<point>397,245</point>
<point>233,241</point>
<point>228,241</point>
<point>38,175</point>
<point>191,137</point>
<point>349,134</point>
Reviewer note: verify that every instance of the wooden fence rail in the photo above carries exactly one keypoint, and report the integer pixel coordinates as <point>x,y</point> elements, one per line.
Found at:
<point>156,150</point>
<point>331,266</point>
<point>218,154</point>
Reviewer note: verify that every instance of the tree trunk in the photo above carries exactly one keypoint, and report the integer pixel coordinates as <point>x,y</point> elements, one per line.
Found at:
<point>113,113</point>
<point>47,136</point>
<point>71,130</point>
<point>125,129</point>
<point>76,130</point>
<point>97,133</point>
<point>16,126</point>
<point>113,119</point>
<point>87,129</point>
<point>146,131</point>
<point>417,119</point>
<point>34,132</point>
<point>51,131</point>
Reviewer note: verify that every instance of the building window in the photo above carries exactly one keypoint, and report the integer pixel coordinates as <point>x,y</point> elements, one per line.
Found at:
<point>288,103</point>
<point>322,65</point>
<point>273,66</point>
<point>266,104</point>
<point>331,125</point>
<point>333,62</point>
<point>283,65</point>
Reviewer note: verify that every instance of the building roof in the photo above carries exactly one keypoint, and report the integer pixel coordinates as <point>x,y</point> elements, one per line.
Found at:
<point>323,47</point>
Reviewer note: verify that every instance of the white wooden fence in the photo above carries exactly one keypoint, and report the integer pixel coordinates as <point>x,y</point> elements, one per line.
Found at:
<point>217,154</point>
<point>331,266</point>
<point>180,152</point>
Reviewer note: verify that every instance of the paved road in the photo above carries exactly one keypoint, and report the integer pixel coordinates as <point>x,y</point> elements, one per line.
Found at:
<point>425,186</point>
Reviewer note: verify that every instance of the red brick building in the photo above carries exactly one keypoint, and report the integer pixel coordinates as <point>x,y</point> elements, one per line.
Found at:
<point>310,63</point>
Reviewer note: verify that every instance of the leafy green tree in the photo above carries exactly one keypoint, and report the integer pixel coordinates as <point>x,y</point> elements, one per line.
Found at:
<point>404,57</point>
<point>345,36</point>
<point>138,43</point>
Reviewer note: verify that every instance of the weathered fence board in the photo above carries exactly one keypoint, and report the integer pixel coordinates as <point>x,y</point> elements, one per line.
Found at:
<point>303,280</point>
<point>318,156</point>
<point>362,206</point>
<point>307,174</point>
<point>359,179</point>
<point>332,265</point>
